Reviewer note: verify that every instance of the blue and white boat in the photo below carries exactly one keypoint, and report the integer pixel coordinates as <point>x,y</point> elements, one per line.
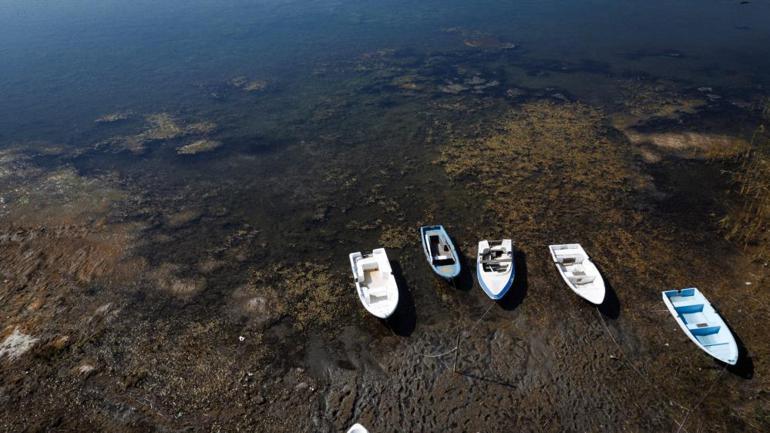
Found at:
<point>440,251</point>
<point>702,323</point>
<point>495,267</point>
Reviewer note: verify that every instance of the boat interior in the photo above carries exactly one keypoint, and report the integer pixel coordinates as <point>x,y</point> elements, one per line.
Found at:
<point>372,280</point>
<point>440,251</point>
<point>571,259</point>
<point>569,256</point>
<point>496,258</point>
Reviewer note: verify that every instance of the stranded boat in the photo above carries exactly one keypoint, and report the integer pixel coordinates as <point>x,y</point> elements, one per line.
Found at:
<point>495,268</point>
<point>375,283</point>
<point>702,324</point>
<point>357,428</point>
<point>578,271</point>
<point>440,251</point>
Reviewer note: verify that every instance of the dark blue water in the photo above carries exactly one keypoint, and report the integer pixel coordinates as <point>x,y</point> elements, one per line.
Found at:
<point>64,63</point>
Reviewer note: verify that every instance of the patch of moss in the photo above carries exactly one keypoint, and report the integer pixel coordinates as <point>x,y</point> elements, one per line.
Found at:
<point>161,127</point>
<point>543,165</point>
<point>397,237</point>
<point>749,224</point>
<point>308,293</point>
<point>199,146</point>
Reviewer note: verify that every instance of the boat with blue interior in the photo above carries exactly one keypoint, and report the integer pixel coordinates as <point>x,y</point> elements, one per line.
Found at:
<point>702,324</point>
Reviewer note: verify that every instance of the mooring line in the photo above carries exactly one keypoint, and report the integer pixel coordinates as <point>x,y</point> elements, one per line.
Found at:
<point>711,387</point>
<point>457,345</point>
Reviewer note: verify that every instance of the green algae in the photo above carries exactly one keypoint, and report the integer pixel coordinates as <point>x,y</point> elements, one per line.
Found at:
<point>308,294</point>
<point>158,128</point>
<point>561,147</point>
<point>199,146</point>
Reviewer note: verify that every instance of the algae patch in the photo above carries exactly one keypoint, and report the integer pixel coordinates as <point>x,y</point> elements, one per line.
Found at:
<point>537,162</point>
<point>311,295</point>
<point>749,223</point>
<point>159,127</point>
<point>199,146</point>
<point>397,237</point>
<point>248,85</point>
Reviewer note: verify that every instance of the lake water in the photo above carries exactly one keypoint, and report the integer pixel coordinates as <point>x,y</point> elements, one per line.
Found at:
<point>66,63</point>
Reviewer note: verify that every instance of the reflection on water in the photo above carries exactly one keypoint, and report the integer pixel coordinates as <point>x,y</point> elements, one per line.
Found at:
<point>180,179</point>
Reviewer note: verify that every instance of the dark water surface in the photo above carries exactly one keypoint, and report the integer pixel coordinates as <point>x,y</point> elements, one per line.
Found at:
<point>67,62</point>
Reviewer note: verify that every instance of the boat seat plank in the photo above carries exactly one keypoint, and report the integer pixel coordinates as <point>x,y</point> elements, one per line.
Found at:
<point>378,291</point>
<point>495,261</point>
<point>703,330</point>
<point>570,259</point>
<point>568,251</point>
<point>688,307</point>
<point>722,343</point>
<point>582,279</point>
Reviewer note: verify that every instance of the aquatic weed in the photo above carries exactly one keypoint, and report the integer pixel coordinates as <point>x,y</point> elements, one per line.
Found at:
<point>748,224</point>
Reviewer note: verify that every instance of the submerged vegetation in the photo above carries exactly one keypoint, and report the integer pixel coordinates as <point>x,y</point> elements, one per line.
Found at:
<point>563,148</point>
<point>749,223</point>
<point>161,127</point>
<point>309,294</point>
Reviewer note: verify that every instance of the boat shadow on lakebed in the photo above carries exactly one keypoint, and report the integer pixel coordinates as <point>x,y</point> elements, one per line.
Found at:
<point>464,281</point>
<point>745,366</point>
<point>610,307</point>
<point>403,321</point>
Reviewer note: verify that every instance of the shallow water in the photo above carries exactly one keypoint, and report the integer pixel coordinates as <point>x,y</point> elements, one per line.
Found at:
<point>335,126</point>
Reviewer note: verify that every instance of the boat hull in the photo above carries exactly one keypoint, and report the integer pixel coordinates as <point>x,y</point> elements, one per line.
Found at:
<point>357,428</point>
<point>494,293</point>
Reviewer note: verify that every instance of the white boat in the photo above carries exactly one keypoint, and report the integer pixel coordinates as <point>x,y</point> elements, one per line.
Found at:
<point>357,428</point>
<point>702,324</point>
<point>578,271</point>
<point>375,283</point>
<point>494,267</point>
